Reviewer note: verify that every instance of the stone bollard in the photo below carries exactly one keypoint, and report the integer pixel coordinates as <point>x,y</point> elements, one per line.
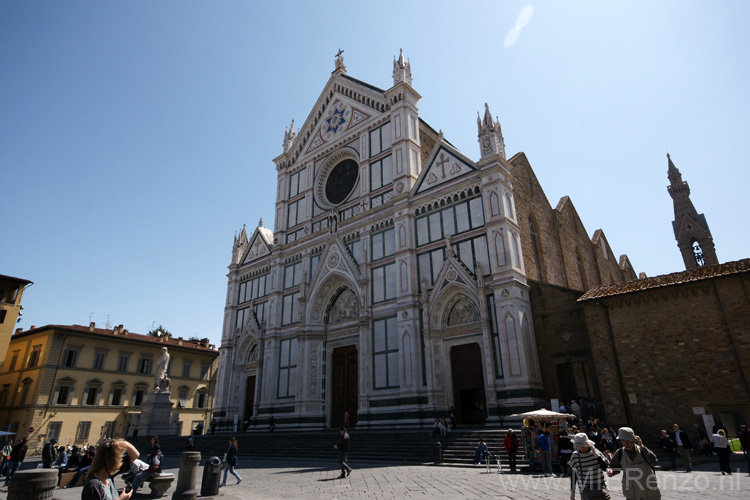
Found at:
<point>34,484</point>
<point>437,453</point>
<point>189,462</point>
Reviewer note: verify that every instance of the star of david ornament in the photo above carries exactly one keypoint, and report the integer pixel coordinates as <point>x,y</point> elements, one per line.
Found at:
<point>335,121</point>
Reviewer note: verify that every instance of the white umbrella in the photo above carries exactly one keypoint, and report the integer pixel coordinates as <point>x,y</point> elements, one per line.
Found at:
<point>543,414</point>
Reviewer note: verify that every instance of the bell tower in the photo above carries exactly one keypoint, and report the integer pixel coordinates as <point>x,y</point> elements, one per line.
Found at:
<point>690,228</point>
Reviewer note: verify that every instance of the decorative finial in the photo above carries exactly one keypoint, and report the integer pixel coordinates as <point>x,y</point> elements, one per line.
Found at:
<point>260,222</point>
<point>340,68</point>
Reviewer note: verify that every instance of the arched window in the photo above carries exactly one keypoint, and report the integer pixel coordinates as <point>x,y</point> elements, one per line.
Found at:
<point>535,247</point>
<point>698,253</point>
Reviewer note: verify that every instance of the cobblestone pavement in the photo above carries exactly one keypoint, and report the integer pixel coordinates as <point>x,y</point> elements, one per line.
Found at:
<point>317,481</point>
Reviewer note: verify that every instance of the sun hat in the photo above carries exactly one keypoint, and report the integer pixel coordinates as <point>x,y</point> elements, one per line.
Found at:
<point>581,439</point>
<point>626,434</point>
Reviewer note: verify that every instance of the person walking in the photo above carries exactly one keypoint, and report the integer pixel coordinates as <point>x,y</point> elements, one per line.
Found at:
<point>684,446</point>
<point>100,484</point>
<point>17,457</point>
<point>565,448</point>
<point>343,447</point>
<point>510,443</point>
<point>587,466</point>
<point>721,447</point>
<point>668,445</point>
<point>637,463</point>
<point>231,461</point>
<point>49,453</point>
<point>545,447</point>
<point>5,455</point>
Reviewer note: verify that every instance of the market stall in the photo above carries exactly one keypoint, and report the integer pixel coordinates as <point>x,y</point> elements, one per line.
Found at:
<point>533,423</point>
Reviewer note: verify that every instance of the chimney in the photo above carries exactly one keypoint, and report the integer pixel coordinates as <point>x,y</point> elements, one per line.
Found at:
<point>179,340</point>
<point>204,342</point>
<point>19,330</point>
<point>92,325</point>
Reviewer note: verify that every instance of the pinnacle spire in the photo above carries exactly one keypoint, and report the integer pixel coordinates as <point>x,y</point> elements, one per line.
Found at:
<point>490,134</point>
<point>401,69</point>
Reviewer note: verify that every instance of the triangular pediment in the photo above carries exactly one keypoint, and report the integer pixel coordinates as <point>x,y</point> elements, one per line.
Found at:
<point>453,283</point>
<point>453,272</point>
<point>335,271</point>
<point>259,245</point>
<point>344,106</point>
<point>444,165</point>
<point>690,227</point>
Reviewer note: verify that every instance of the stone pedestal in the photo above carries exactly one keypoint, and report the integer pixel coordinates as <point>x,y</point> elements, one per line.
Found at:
<point>156,411</point>
<point>34,484</point>
<point>185,490</point>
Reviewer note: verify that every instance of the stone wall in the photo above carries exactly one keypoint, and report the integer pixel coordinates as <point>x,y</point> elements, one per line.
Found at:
<point>562,339</point>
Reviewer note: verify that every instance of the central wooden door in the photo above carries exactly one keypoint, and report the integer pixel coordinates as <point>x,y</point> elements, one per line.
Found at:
<point>344,385</point>
<point>249,398</point>
<point>468,385</point>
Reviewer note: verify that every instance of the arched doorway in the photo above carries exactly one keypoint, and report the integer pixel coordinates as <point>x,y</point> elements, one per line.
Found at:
<point>468,384</point>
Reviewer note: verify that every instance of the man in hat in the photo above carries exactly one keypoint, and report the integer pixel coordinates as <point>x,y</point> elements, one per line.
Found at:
<point>49,453</point>
<point>587,466</point>
<point>637,463</point>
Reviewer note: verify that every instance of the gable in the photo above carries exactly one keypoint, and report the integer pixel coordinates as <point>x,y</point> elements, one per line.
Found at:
<point>257,248</point>
<point>336,121</point>
<point>444,166</point>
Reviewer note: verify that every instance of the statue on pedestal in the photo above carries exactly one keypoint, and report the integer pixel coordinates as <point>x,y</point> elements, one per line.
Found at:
<point>161,381</point>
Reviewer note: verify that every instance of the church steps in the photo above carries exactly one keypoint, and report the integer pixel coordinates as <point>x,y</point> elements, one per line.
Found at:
<point>392,446</point>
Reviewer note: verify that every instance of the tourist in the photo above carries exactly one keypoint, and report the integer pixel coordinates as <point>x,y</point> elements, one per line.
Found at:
<point>637,463</point>
<point>668,445</point>
<point>545,447</point>
<point>684,446</point>
<point>565,449</point>
<point>343,447</point>
<point>587,466</point>
<point>49,453</point>
<point>510,443</point>
<point>16,459</point>
<point>721,447</point>
<point>480,452</point>
<point>5,455</point>
<point>155,459</point>
<point>230,460</point>
<point>107,462</point>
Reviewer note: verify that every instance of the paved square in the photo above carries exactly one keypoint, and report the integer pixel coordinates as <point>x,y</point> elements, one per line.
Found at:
<point>317,481</point>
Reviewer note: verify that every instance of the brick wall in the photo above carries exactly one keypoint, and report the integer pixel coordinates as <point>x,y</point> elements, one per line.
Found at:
<point>673,349</point>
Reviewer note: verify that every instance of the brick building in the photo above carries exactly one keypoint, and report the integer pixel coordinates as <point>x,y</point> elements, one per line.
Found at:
<point>674,348</point>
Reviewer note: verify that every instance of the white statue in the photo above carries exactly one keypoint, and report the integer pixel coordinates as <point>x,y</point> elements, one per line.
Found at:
<point>161,381</point>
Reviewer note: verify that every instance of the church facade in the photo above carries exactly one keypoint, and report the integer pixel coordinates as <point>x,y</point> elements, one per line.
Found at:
<point>403,278</point>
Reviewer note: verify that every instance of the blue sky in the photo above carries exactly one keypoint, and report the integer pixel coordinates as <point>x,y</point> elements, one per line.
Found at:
<point>137,137</point>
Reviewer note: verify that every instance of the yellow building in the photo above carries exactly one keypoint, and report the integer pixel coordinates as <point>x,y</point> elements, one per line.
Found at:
<point>78,383</point>
<point>11,291</point>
